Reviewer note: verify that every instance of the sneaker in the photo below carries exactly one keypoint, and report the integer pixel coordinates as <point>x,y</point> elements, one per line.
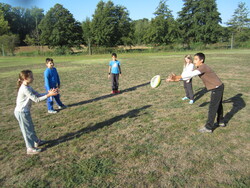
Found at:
<point>184,98</point>
<point>113,92</point>
<point>33,151</point>
<point>52,111</point>
<point>222,124</point>
<point>117,91</point>
<point>191,101</point>
<point>40,143</point>
<point>62,107</point>
<point>205,130</point>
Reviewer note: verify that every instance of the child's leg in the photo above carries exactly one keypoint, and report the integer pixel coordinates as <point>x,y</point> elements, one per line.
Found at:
<point>216,97</point>
<point>58,101</point>
<point>220,118</point>
<point>185,88</point>
<point>190,90</point>
<point>27,128</point>
<point>116,82</point>
<point>113,83</point>
<point>50,103</point>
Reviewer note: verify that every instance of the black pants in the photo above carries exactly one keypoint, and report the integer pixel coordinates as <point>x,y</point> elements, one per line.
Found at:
<point>215,107</point>
<point>115,81</point>
<point>189,89</point>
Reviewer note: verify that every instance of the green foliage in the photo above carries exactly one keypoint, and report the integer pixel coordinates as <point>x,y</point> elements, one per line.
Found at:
<point>240,19</point>
<point>162,28</point>
<point>199,21</point>
<point>8,43</point>
<point>140,26</point>
<point>4,28</point>
<point>111,24</point>
<point>87,33</point>
<point>59,28</point>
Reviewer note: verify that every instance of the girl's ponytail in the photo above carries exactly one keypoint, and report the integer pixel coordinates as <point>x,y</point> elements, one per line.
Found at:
<point>23,75</point>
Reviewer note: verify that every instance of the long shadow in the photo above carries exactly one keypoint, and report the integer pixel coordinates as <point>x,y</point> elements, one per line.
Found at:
<point>238,104</point>
<point>200,92</point>
<point>130,114</point>
<point>107,96</point>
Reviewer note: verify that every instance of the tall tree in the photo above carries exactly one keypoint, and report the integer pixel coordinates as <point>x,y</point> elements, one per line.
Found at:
<point>162,28</point>
<point>110,24</point>
<point>88,33</point>
<point>4,27</point>
<point>199,21</point>
<point>59,28</point>
<point>240,18</point>
<point>140,28</point>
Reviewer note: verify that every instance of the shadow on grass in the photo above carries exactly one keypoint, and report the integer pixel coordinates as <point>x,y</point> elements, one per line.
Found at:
<point>108,95</point>
<point>130,114</point>
<point>200,93</point>
<point>238,104</point>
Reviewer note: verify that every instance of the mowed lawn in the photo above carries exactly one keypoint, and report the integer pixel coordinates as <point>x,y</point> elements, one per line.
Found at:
<point>142,137</point>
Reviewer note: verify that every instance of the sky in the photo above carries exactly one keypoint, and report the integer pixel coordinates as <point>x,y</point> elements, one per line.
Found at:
<point>138,9</point>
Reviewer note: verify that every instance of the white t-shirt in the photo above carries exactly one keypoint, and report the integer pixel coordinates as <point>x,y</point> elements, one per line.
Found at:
<point>25,96</point>
<point>187,70</point>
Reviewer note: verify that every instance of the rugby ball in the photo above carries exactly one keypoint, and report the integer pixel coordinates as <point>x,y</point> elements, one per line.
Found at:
<point>155,81</point>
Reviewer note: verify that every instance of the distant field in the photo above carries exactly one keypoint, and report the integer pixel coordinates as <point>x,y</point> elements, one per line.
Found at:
<point>142,137</point>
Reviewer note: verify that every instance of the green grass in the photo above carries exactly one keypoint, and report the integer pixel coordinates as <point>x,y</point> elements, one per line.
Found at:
<point>143,137</point>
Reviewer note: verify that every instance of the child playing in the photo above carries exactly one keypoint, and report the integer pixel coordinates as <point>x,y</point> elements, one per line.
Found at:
<point>188,67</point>
<point>52,81</point>
<point>114,72</point>
<point>213,84</point>
<point>22,111</point>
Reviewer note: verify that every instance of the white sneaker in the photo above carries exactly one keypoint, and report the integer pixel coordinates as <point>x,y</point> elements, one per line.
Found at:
<point>62,107</point>
<point>52,111</point>
<point>191,101</point>
<point>205,130</point>
<point>33,151</point>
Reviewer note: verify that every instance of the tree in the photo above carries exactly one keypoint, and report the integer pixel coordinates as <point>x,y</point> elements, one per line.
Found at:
<point>60,29</point>
<point>239,24</point>
<point>162,28</point>
<point>4,28</point>
<point>199,21</point>
<point>9,43</point>
<point>111,24</point>
<point>240,18</point>
<point>140,26</point>
<point>87,33</point>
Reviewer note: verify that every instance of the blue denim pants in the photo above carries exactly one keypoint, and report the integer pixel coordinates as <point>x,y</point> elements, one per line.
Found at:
<point>50,101</point>
<point>27,128</point>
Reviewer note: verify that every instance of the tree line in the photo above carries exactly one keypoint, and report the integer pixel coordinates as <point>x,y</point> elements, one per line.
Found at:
<point>110,25</point>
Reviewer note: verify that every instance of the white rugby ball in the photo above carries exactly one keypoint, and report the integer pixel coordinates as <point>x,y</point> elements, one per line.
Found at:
<point>155,81</point>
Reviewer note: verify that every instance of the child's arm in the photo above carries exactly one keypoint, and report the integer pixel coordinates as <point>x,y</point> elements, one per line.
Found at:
<point>58,79</point>
<point>120,69</point>
<point>29,92</point>
<point>109,72</point>
<point>185,76</point>
<point>46,80</point>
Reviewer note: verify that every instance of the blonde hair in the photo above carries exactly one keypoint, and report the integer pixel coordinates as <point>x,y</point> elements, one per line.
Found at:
<point>22,76</point>
<point>188,57</point>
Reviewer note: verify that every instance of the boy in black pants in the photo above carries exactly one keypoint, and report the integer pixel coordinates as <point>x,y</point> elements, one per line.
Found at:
<point>114,72</point>
<point>213,84</point>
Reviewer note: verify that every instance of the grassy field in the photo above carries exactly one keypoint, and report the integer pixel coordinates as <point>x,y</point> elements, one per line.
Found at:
<point>142,137</point>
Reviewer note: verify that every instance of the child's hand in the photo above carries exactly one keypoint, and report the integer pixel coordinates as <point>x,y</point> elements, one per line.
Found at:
<point>52,92</point>
<point>109,76</point>
<point>120,75</point>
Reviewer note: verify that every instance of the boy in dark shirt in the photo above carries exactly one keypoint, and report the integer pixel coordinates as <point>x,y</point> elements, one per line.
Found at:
<point>213,84</point>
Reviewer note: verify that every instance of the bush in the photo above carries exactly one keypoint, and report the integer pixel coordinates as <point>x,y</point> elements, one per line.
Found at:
<point>8,44</point>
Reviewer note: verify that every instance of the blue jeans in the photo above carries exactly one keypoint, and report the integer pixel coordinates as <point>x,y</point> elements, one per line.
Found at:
<point>27,128</point>
<point>50,101</point>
